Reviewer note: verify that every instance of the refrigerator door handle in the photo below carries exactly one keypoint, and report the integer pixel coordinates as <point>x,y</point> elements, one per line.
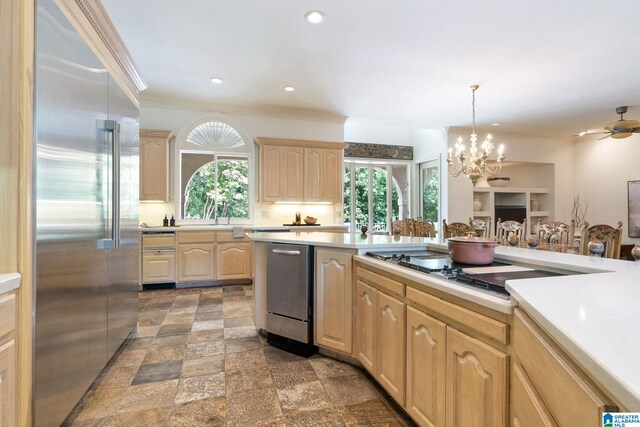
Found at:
<point>112,129</point>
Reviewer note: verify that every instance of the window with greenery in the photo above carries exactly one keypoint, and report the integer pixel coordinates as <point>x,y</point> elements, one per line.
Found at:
<point>374,194</point>
<point>214,176</point>
<point>430,191</point>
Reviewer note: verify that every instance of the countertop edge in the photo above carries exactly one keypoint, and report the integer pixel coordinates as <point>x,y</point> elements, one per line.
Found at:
<point>315,239</point>
<point>246,227</point>
<point>9,282</point>
<point>612,383</point>
<point>505,306</point>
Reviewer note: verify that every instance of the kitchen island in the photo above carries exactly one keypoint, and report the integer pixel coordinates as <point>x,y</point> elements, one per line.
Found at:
<point>557,339</point>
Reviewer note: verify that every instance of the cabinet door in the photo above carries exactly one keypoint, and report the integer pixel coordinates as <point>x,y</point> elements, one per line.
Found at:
<point>158,267</point>
<point>365,325</point>
<point>476,382</point>
<point>154,168</point>
<point>195,262</point>
<point>293,174</point>
<point>526,407</point>
<point>234,261</point>
<point>390,347</point>
<point>271,173</point>
<point>313,174</point>
<point>7,384</point>
<point>426,360</point>
<point>333,310</point>
<point>331,174</point>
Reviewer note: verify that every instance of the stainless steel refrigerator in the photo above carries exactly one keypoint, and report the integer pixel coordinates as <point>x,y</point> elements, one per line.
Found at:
<point>86,219</point>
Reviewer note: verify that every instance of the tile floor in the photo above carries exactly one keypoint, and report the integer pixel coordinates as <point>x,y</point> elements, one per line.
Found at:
<point>197,360</point>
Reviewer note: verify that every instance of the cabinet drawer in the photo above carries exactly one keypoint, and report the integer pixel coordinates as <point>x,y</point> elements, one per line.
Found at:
<point>381,281</point>
<point>158,241</point>
<point>571,397</point>
<point>227,236</point>
<point>158,267</point>
<point>196,236</point>
<point>478,322</point>
<point>7,313</point>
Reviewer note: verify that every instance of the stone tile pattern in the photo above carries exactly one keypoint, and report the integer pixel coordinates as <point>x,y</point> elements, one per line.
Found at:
<point>197,360</point>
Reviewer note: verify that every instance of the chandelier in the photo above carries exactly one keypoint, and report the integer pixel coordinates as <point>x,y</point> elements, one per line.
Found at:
<point>474,164</point>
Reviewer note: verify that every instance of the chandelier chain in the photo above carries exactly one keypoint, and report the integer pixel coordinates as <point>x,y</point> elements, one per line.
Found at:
<point>473,110</point>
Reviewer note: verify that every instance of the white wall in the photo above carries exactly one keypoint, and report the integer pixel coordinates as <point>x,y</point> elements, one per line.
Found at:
<point>602,170</point>
<point>252,126</point>
<point>519,148</point>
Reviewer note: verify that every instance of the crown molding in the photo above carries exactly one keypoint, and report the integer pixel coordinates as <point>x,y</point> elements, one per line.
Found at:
<point>92,21</point>
<point>263,111</point>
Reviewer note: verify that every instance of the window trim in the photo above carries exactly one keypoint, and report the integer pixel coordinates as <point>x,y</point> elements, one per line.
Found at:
<point>432,163</point>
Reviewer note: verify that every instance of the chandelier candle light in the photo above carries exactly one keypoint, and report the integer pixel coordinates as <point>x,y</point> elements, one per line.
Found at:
<point>474,164</point>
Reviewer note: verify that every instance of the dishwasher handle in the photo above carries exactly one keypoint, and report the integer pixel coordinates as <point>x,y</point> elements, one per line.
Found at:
<point>284,252</point>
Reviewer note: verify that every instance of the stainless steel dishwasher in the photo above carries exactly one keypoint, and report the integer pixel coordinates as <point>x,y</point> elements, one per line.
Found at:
<point>290,297</point>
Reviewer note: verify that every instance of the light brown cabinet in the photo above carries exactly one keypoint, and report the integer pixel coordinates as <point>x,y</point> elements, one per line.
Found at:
<point>322,175</point>
<point>159,258</point>
<point>159,266</point>
<point>441,376</point>
<point>293,185</point>
<point>7,359</point>
<point>297,171</point>
<point>476,382</point>
<point>548,385</point>
<point>426,361</point>
<point>380,332</point>
<point>333,300</point>
<point>234,261</point>
<point>154,164</point>
<point>196,262</point>
<point>272,174</point>
<point>365,325</point>
<point>390,348</point>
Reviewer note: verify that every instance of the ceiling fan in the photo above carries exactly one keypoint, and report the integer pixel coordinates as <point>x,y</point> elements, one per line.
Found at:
<point>618,129</point>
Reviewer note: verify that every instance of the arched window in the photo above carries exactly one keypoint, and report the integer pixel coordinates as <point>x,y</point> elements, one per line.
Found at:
<point>214,173</point>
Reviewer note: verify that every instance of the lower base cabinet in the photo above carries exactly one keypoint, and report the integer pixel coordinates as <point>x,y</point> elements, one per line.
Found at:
<point>426,360</point>
<point>195,262</point>
<point>476,382</point>
<point>380,326</point>
<point>158,266</point>
<point>234,261</point>
<point>390,348</point>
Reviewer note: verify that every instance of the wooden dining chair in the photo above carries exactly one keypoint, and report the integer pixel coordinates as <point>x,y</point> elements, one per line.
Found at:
<point>455,229</point>
<point>423,228</point>
<point>610,236</point>
<point>556,232</point>
<point>505,228</point>
<point>402,227</point>
<point>481,227</point>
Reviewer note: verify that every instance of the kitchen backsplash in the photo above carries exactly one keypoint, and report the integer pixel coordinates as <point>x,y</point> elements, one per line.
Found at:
<point>152,213</point>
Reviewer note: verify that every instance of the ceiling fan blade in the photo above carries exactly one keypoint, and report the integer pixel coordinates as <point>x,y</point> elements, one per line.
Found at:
<point>604,137</point>
<point>589,133</point>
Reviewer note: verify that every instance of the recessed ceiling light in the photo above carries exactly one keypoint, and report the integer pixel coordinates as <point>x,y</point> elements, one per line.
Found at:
<point>496,124</point>
<point>216,80</point>
<point>314,16</point>
<point>289,88</point>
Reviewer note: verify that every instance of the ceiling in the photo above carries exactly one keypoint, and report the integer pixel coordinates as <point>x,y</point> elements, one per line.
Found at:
<point>544,67</point>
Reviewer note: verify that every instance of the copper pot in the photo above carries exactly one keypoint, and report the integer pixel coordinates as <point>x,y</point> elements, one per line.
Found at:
<point>472,250</point>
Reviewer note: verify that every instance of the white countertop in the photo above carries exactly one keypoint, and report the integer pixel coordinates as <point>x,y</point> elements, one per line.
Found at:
<point>342,240</point>
<point>9,282</point>
<point>206,227</point>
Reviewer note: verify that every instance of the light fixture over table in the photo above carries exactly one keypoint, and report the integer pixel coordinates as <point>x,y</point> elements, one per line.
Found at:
<point>474,164</point>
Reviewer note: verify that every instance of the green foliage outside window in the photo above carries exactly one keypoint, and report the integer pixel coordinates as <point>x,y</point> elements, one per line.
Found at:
<point>430,199</point>
<point>379,196</point>
<point>233,188</point>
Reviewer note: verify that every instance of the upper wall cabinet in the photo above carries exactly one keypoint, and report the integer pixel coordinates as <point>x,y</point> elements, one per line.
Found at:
<point>300,171</point>
<point>154,164</point>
